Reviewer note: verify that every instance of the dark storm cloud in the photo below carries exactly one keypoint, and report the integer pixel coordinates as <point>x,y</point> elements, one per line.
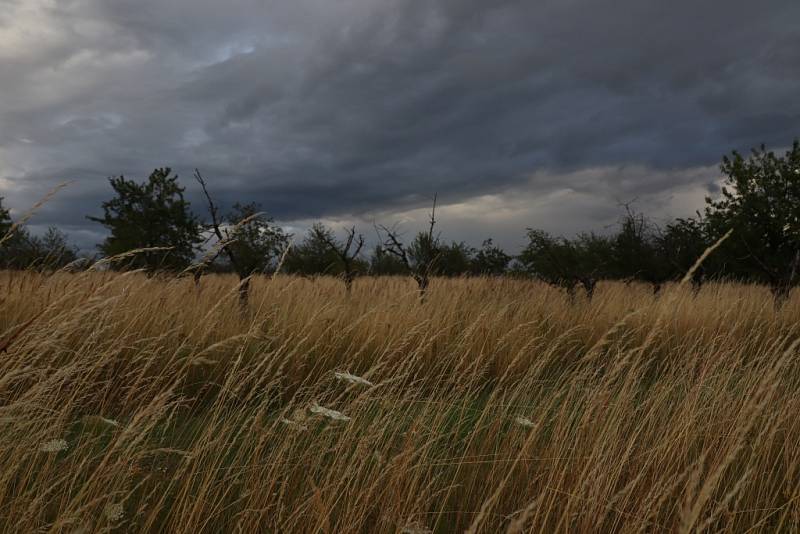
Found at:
<point>321,109</point>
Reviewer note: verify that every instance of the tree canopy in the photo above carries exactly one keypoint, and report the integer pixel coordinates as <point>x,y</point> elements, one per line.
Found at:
<point>153,214</point>
<point>760,202</point>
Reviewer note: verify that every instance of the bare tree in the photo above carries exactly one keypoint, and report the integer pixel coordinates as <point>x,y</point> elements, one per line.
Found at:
<point>347,254</point>
<point>425,253</point>
<point>223,245</point>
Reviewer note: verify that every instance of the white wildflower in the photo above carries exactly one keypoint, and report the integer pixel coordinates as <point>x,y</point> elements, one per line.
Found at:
<point>353,379</point>
<point>524,421</point>
<point>797,171</point>
<point>327,412</point>
<point>109,422</point>
<point>203,361</point>
<point>114,511</point>
<point>288,422</point>
<point>54,445</point>
<point>415,528</point>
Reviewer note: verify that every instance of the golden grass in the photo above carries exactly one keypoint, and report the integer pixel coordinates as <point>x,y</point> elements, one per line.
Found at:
<point>494,406</point>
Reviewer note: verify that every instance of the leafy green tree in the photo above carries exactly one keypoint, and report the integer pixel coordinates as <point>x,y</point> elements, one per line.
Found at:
<point>636,256</point>
<point>555,261</point>
<point>21,250</point>
<point>246,238</point>
<point>52,250</point>
<point>424,252</point>
<point>149,215</point>
<point>454,259</point>
<point>258,243</point>
<point>567,263</point>
<point>382,262</point>
<point>490,260</point>
<point>5,220</point>
<point>680,245</point>
<point>314,255</point>
<point>761,204</point>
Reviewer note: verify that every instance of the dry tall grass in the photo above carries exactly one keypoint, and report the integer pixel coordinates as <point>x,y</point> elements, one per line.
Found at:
<point>140,405</point>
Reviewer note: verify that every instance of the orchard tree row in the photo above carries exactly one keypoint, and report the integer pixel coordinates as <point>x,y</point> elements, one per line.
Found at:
<point>759,204</point>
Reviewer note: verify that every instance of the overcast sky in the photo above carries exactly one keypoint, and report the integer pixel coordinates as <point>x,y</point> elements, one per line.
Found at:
<point>521,113</point>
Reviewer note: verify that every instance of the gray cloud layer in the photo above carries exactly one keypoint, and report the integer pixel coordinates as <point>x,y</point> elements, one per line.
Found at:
<point>320,108</point>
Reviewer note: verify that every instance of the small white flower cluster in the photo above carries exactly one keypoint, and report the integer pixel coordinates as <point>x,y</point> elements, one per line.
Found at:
<point>203,361</point>
<point>114,511</point>
<point>54,445</point>
<point>353,379</point>
<point>524,421</point>
<point>415,528</point>
<point>295,424</point>
<point>109,422</point>
<point>327,412</point>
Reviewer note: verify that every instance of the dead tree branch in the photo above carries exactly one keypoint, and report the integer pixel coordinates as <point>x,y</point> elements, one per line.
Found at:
<point>346,256</point>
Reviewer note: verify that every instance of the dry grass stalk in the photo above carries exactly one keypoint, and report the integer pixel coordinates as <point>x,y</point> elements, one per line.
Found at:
<point>499,406</point>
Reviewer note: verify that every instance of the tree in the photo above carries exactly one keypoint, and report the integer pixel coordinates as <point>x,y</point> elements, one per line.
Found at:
<point>454,259</point>
<point>258,243</point>
<point>348,255</point>
<point>490,260</point>
<point>382,262</point>
<point>245,236</point>
<point>635,253</point>
<point>5,220</point>
<point>421,257</point>
<point>21,250</point>
<point>314,255</point>
<point>760,202</point>
<point>559,262</point>
<point>153,214</point>
<point>52,250</point>
<point>9,242</point>
<point>680,244</point>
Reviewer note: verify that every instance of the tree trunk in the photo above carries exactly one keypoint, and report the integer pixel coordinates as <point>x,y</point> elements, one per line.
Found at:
<point>656,289</point>
<point>589,285</point>
<point>348,278</point>
<point>780,293</point>
<point>244,293</point>
<point>569,286</point>
<point>422,285</point>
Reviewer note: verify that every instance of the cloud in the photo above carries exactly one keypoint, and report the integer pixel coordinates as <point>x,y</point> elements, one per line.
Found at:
<point>338,110</point>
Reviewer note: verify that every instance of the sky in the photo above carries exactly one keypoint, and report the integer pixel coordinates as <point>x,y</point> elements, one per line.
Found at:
<point>517,113</point>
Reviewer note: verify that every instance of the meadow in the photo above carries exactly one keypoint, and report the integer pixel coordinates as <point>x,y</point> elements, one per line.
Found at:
<point>143,404</point>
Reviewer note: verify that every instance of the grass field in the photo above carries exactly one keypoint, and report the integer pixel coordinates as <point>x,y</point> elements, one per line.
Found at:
<point>137,404</point>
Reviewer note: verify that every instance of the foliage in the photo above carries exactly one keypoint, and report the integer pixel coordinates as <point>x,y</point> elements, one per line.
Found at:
<point>382,262</point>
<point>680,245</point>
<point>22,250</point>
<point>761,203</point>
<point>149,215</point>
<point>314,256</point>
<point>258,244</point>
<point>424,252</point>
<point>5,219</point>
<point>454,259</point>
<point>489,260</point>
